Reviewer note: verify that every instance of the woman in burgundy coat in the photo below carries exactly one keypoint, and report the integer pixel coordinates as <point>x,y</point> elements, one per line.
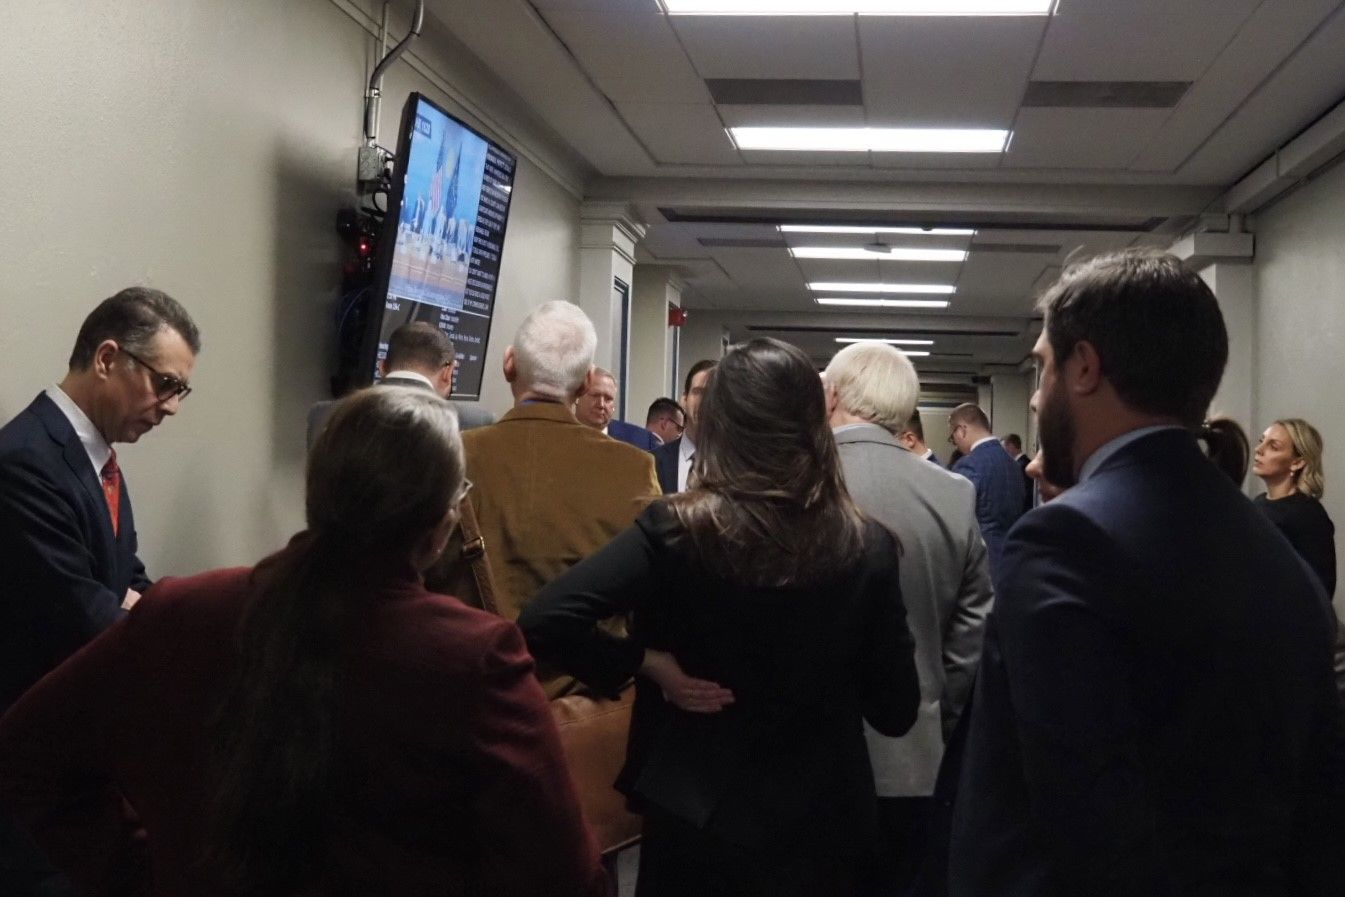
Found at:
<point>319,724</point>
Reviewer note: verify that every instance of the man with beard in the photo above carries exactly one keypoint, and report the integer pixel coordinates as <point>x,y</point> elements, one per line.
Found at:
<point>1155,712</point>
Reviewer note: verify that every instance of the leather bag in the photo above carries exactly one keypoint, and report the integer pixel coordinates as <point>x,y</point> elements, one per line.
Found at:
<point>593,729</point>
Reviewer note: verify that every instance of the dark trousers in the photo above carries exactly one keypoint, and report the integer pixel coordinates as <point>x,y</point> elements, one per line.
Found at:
<point>903,827</point>
<point>679,860</point>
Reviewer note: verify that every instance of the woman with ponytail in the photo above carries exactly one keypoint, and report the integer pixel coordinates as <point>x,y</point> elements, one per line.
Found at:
<point>767,624</point>
<point>1289,462</point>
<point>317,725</point>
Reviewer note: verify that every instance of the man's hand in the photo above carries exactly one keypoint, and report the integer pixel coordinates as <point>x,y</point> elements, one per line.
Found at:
<point>132,596</point>
<point>690,694</point>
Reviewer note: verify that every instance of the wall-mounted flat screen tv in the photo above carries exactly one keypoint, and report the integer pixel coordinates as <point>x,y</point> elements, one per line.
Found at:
<point>443,236</point>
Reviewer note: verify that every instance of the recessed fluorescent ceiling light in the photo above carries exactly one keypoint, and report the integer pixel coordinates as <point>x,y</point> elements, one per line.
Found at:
<point>886,303</point>
<point>890,342</point>
<point>860,7</point>
<point>852,229</point>
<point>936,288</point>
<point>878,140</point>
<point>893,253</point>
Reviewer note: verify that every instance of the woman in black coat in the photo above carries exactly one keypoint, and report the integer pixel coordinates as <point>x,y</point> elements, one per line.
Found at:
<point>1289,461</point>
<point>767,623</point>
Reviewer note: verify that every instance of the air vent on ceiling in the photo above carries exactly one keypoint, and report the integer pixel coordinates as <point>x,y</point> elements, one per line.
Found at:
<point>973,220</point>
<point>1104,94</point>
<point>784,92</point>
<point>741,243</point>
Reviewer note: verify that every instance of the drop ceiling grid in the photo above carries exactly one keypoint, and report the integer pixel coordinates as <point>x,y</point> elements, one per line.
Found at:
<point>632,57</point>
<point>1305,84</point>
<point>1266,39</point>
<point>946,72</point>
<point>1096,40</point>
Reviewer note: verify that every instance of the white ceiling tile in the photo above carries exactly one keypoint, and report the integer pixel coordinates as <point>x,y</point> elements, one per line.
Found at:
<point>1137,40</point>
<point>805,160</point>
<point>633,57</point>
<point>750,271</point>
<point>793,116</point>
<point>680,134</point>
<point>1305,87</point>
<point>949,72</point>
<point>1081,138</point>
<point>1005,282</point>
<point>592,127</point>
<point>839,270</point>
<point>918,161</point>
<point>1270,35</point>
<point>769,47</point>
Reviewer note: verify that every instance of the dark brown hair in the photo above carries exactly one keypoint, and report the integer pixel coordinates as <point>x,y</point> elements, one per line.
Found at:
<point>419,346</point>
<point>1227,447</point>
<point>381,477</point>
<point>132,318</point>
<point>1156,326</point>
<point>768,505</point>
<point>705,364</point>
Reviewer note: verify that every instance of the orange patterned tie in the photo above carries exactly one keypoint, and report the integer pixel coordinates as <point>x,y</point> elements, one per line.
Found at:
<point>111,478</point>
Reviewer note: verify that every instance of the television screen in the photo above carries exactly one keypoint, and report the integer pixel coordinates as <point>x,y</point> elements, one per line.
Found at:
<point>439,259</point>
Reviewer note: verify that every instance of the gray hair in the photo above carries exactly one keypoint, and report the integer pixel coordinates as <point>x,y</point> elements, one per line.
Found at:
<point>875,381</point>
<point>553,349</point>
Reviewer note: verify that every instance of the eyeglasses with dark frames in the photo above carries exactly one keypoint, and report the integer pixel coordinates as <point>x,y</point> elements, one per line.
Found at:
<point>166,386</point>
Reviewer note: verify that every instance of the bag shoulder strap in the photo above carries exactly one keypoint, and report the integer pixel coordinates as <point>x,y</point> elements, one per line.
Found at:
<point>474,553</point>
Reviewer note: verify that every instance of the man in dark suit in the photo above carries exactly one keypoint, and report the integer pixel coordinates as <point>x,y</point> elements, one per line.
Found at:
<point>595,408</point>
<point>67,533</point>
<point>420,355</point>
<point>998,481</point>
<point>1155,712</point>
<point>672,460</point>
<point>666,420</point>
<point>1013,444</point>
<point>911,437</point>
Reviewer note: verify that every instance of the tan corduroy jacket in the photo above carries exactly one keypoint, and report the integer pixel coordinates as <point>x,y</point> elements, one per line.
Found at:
<point>549,492</point>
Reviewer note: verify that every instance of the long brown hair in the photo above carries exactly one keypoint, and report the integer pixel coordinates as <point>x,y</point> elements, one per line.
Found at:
<point>768,505</point>
<point>381,478</point>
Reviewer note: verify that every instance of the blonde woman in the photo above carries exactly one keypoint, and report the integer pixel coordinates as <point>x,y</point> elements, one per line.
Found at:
<point>1289,461</point>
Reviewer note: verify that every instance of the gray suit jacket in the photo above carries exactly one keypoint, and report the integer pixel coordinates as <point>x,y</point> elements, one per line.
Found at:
<point>470,414</point>
<point>945,582</point>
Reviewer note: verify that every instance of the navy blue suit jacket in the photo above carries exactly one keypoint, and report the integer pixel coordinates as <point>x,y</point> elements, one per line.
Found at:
<point>665,465</point>
<point>1155,711</point>
<point>999,493</point>
<point>632,435</point>
<point>65,573</point>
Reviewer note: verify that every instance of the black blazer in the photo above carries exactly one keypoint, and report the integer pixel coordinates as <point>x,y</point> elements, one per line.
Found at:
<point>65,574</point>
<point>1155,712</point>
<point>665,465</point>
<point>787,760</point>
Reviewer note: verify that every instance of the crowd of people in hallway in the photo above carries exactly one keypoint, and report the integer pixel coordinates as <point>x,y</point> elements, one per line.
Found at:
<point>838,667</point>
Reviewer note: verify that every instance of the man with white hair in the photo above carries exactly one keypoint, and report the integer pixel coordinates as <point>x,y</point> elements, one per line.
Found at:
<point>548,490</point>
<point>871,391</point>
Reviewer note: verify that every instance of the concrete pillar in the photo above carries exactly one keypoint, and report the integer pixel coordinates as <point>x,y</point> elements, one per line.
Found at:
<point>608,234</point>
<point>1235,287</point>
<point>649,370</point>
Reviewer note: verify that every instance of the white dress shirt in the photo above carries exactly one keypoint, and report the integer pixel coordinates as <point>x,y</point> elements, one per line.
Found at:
<point>685,450</point>
<point>95,446</point>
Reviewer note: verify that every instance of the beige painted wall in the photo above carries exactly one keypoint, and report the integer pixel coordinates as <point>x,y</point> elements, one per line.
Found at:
<point>1300,323</point>
<point>203,148</point>
<point>655,287</point>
